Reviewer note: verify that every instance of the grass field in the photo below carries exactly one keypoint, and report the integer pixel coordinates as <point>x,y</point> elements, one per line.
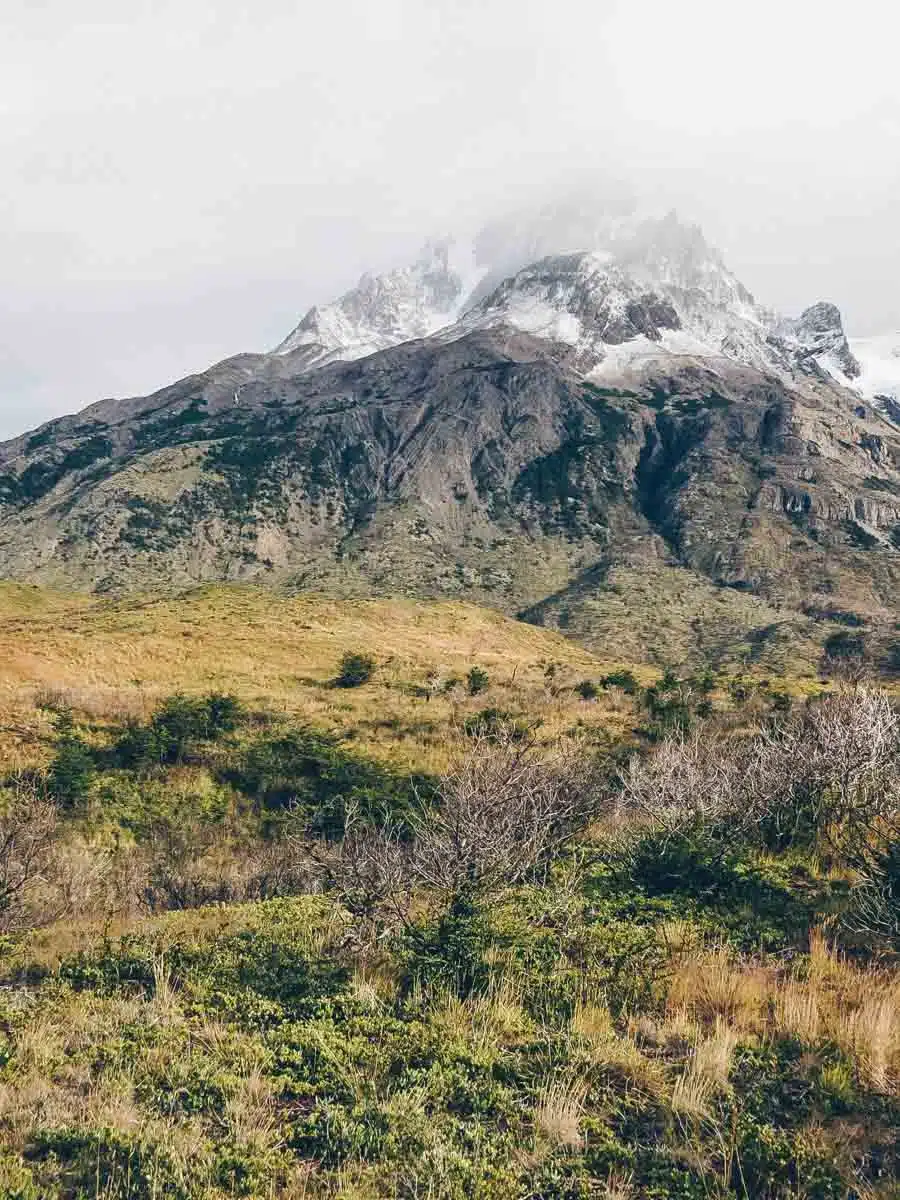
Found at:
<point>109,658</point>
<point>230,965</point>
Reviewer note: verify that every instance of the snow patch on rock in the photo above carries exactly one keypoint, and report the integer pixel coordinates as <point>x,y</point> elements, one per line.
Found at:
<point>879,360</point>
<point>385,310</point>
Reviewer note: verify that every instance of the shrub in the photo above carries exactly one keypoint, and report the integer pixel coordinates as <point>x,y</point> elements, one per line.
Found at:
<point>311,772</point>
<point>501,814</point>
<point>495,724</point>
<point>622,679</point>
<point>826,778</point>
<point>587,689</point>
<point>179,723</point>
<point>874,905</point>
<point>477,681</point>
<point>450,951</point>
<point>72,769</point>
<point>27,838</point>
<point>668,706</point>
<point>138,746</point>
<point>354,670</point>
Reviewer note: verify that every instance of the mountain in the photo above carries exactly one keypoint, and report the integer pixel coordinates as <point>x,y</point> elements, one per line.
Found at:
<point>642,280</point>
<point>385,310</point>
<point>618,441</point>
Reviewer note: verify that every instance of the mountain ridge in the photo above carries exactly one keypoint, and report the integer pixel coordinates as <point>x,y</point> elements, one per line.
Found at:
<point>629,412</point>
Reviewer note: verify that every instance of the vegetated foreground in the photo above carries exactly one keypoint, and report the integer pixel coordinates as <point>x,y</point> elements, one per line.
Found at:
<point>301,898</point>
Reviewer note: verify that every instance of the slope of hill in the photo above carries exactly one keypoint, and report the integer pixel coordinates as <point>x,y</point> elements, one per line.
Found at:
<point>254,947</point>
<point>113,658</point>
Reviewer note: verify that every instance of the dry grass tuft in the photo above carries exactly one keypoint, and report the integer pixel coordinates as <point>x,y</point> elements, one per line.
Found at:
<point>559,1110</point>
<point>714,1055</point>
<point>709,985</point>
<point>619,1185</point>
<point>593,1022</point>
<point>250,1112</point>
<point>857,1009</point>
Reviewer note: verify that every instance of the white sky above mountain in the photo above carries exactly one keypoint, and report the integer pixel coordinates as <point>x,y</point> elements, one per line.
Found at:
<point>183,178</point>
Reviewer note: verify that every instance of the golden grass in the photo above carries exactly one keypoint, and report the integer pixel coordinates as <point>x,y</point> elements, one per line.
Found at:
<point>489,1021</point>
<point>857,1009</point>
<point>42,950</point>
<point>111,660</point>
<point>619,1185</point>
<point>559,1110</point>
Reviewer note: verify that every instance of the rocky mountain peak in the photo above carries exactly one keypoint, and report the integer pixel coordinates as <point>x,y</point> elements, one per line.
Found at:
<point>879,358</point>
<point>818,334</point>
<point>384,310</point>
<point>592,272</point>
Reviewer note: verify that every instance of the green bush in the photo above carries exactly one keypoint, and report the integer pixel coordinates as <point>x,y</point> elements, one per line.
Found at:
<point>174,729</point>
<point>450,951</point>
<point>667,704</point>
<point>72,769</point>
<point>622,679</point>
<point>495,724</point>
<point>587,689</point>
<point>477,681</point>
<point>310,772</point>
<point>354,670</point>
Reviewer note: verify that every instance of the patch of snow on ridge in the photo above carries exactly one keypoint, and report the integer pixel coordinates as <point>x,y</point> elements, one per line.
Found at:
<point>597,276</point>
<point>386,310</point>
<point>656,279</point>
<point>879,358</point>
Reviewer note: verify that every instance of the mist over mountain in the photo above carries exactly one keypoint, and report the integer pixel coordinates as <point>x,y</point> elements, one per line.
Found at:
<point>158,219</point>
<point>616,417</point>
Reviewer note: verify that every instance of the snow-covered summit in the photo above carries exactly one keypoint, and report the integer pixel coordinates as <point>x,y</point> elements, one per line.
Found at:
<point>385,310</point>
<point>656,288</point>
<point>593,273</point>
<point>818,335</point>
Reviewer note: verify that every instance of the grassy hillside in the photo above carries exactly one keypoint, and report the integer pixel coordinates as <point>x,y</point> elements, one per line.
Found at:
<point>550,930</point>
<point>109,659</point>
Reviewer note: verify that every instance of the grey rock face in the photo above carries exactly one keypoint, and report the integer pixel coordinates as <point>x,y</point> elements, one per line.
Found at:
<point>382,311</point>
<point>818,333</point>
<point>486,467</point>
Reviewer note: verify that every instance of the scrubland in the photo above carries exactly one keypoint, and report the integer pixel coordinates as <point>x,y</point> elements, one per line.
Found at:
<point>301,898</point>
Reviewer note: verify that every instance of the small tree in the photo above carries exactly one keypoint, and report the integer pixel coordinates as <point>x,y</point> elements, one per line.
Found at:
<point>477,681</point>
<point>502,814</point>
<point>625,680</point>
<point>178,723</point>
<point>587,689</point>
<point>354,670</point>
<point>72,769</point>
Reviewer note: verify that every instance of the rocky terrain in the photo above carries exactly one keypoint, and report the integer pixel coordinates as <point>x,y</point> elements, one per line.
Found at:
<point>601,432</point>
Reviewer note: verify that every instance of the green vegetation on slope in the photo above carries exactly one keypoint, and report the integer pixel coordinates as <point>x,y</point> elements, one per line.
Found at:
<point>624,936</point>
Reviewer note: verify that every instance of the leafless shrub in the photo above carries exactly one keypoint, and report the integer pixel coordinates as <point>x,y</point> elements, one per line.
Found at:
<point>827,774</point>
<point>686,780</point>
<point>874,909</point>
<point>185,867</point>
<point>832,770</point>
<point>27,840</point>
<point>501,814</point>
<point>373,873</point>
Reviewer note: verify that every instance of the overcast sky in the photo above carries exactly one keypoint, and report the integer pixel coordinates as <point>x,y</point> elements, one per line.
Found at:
<point>184,177</point>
